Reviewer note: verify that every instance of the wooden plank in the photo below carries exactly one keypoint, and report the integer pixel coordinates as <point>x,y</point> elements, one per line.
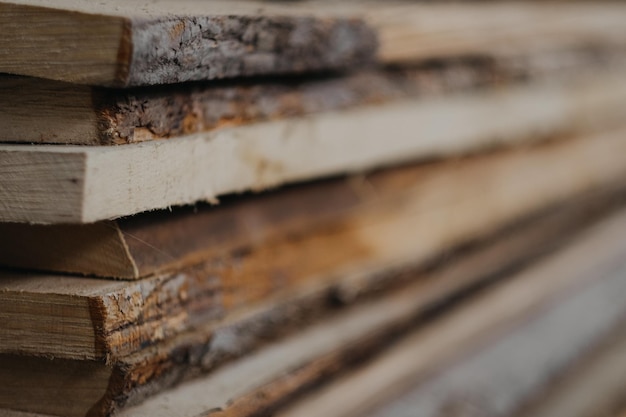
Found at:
<point>128,44</point>
<point>594,386</point>
<point>500,376</point>
<point>410,32</point>
<point>266,376</point>
<point>222,393</point>
<point>78,184</point>
<point>160,242</point>
<point>136,43</point>
<point>42,111</point>
<point>156,242</point>
<point>589,308</point>
<point>95,318</point>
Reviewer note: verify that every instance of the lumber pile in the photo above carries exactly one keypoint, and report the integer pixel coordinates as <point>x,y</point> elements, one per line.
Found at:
<point>247,208</point>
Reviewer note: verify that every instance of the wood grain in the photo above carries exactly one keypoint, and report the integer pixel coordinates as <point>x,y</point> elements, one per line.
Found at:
<point>593,280</point>
<point>144,43</point>
<point>133,43</point>
<point>270,374</point>
<point>77,184</point>
<point>42,111</point>
<point>166,241</point>
<point>233,393</point>
<point>95,318</point>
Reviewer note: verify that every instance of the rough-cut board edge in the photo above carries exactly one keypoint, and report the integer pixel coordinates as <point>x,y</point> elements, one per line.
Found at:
<point>43,111</point>
<point>149,243</point>
<point>373,324</point>
<point>313,39</point>
<point>231,391</point>
<point>77,184</point>
<point>590,263</point>
<point>98,45</point>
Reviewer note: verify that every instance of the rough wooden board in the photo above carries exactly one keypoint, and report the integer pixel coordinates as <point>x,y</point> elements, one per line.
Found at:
<point>148,243</point>
<point>41,111</point>
<point>594,387</point>
<point>138,42</point>
<point>410,32</point>
<point>248,387</point>
<point>77,184</point>
<point>501,375</point>
<point>591,271</point>
<point>350,335</point>
<point>158,242</point>
<point>122,44</point>
<point>440,201</point>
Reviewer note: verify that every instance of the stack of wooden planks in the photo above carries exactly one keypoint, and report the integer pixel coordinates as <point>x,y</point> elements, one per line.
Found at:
<point>246,208</point>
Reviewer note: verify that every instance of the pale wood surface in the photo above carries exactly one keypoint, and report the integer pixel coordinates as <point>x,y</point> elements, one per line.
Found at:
<point>410,32</point>
<point>140,42</point>
<point>513,181</point>
<point>77,184</point>
<point>590,271</point>
<point>409,216</point>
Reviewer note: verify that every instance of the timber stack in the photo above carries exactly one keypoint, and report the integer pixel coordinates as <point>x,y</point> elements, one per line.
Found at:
<point>247,208</point>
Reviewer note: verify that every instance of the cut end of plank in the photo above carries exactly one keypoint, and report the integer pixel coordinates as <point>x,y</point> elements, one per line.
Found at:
<point>98,45</point>
<point>101,246</point>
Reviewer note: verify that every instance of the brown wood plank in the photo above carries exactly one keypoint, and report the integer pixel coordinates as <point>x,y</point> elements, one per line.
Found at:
<point>41,111</point>
<point>162,241</point>
<point>266,376</point>
<point>582,314</point>
<point>412,215</point>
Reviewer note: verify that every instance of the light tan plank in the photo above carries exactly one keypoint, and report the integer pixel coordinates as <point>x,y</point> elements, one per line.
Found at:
<point>74,184</point>
<point>157,242</point>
